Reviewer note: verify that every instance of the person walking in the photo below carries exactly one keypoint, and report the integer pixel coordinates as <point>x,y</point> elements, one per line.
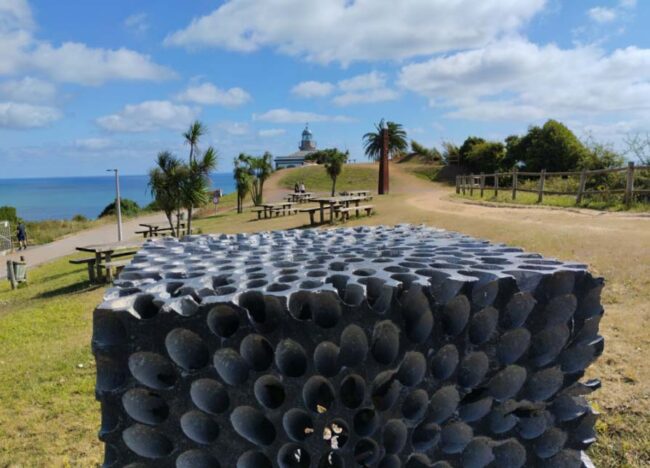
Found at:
<point>21,234</point>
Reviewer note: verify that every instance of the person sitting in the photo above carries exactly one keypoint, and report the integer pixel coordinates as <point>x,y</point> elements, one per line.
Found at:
<point>302,187</point>
<point>21,234</point>
<point>296,188</point>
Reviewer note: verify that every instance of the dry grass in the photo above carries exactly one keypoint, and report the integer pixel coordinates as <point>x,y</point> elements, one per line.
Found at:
<point>42,339</point>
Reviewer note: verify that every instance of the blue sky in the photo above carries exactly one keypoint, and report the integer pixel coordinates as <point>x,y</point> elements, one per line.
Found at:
<point>89,85</point>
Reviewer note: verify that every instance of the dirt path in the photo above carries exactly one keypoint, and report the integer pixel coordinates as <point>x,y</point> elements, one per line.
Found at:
<point>44,253</point>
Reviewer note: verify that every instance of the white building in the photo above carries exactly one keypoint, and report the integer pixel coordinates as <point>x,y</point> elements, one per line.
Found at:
<point>306,147</point>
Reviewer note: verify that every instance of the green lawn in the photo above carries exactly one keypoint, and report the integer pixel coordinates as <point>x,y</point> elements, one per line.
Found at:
<point>563,201</point>
<point>48,414</point>
<point>316,179</point>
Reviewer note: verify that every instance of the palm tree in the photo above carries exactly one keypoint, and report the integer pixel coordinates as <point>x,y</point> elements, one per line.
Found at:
<point>164,183</point>
<point>431,154</point>
<point>259,168</point>
<point>242,182</point>
<point>396,140</point>
<point>193,135</point>
<point>197,182</point>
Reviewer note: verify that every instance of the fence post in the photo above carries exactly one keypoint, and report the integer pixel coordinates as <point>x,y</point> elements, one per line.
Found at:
<point>482,183</point>
<point>471,185</point>
<point>457,185</point>
<point>629,185</point>
<point>540,190</point>
<point>496,184</point>
<point>581,186</point>
<point>514,183</point>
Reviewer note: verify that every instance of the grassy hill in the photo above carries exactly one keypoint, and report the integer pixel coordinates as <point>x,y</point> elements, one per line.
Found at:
<point>354,176</point>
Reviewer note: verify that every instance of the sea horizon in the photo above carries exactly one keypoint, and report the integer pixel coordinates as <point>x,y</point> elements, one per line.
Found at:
<point>57,198</point>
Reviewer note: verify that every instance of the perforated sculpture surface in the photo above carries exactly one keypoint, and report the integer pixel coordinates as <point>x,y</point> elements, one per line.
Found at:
<point>372,346</point>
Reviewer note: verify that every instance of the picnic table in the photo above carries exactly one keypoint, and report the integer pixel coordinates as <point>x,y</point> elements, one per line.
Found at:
<point>267,209</point>
<point>356,193</point>
<point>333,202</point>
<point>299,197</point>
<point>152,230</point>
<point>103,255</point>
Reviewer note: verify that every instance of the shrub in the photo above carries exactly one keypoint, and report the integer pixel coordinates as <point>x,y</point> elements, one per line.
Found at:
<point>79,218</point>
<point>129,208</point>
<point>8,213</point>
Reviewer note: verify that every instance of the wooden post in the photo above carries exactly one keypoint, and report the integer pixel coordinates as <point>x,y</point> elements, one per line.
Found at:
<point>471,185</point>
<point>581,186</point>
<point>496,184</point>
<point>10,274</point>
<point>514,183</point>
<point>457,185</point>
<point>482,184</point>
<point>462,183</point>
<point>629,185</point>
<point>540,190</point>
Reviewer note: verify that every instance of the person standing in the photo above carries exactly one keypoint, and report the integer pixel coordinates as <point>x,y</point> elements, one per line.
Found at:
<point>21,234</point>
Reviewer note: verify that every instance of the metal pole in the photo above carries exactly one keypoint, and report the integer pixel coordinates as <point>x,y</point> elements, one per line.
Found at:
<point>118,204</point>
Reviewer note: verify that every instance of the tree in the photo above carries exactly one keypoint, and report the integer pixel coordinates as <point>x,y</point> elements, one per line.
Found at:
<point>552,147</point>
<point>259,168</point>
<point>193,135</point>
<point>165,185</point>
<point>333,160</point>
<point>196,183</point>
<point>242,182</point>
<point>430,154</point>
<point>372,141</point>
<point>486,156</point>
<point>638,146</point>
<point>450,153</point>
<point>466,148</point>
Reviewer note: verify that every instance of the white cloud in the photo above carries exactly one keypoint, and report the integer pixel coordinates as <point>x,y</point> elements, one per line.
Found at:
<point>93,144</point>
<point>28,90</point>
<point>20,115</point>
<point>271,132</point>
<point>602,14</point>
<point>360,89</point>
<point>207,93</point>
<point>347,31</point>
<point>309,89</point>
<point>517,80</point>
<point>137,22</point>
<point>289,116</point>
<point>73,62</point>
<point>234,128</point>
<point>367,88</point>
<point>148,116</point>
<point>627,3</point>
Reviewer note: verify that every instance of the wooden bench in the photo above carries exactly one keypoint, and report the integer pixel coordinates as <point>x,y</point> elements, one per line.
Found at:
<point>259,210</point>
<point>118,265</point>
<point>345,212</point>
<point>311,212</point>
<point>91,264</point>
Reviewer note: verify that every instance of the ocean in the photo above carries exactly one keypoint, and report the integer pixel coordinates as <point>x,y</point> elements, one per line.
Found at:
<point>64,197</point>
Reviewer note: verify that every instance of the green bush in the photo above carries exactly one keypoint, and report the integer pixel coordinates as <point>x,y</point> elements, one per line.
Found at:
<point>79,218</point>
<point>8,213</point>
<point>129,208</point>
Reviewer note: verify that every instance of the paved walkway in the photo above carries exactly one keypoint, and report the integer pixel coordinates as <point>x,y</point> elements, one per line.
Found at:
<point>108,233</point>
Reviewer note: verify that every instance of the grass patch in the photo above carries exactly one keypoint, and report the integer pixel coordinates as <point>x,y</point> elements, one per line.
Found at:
<point>42,232</point>
<point>562,201</point>
<point>48,415</point>
<point>430,172</point>
<point>353,177</point>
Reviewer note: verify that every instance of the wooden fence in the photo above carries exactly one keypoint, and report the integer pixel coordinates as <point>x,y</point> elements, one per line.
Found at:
<point>469,183</point>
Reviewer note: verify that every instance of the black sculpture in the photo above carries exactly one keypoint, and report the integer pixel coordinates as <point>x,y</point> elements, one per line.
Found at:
<point>404,346</point>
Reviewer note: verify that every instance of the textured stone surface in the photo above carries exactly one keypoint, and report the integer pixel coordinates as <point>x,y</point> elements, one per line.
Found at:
<point>370,346</point>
